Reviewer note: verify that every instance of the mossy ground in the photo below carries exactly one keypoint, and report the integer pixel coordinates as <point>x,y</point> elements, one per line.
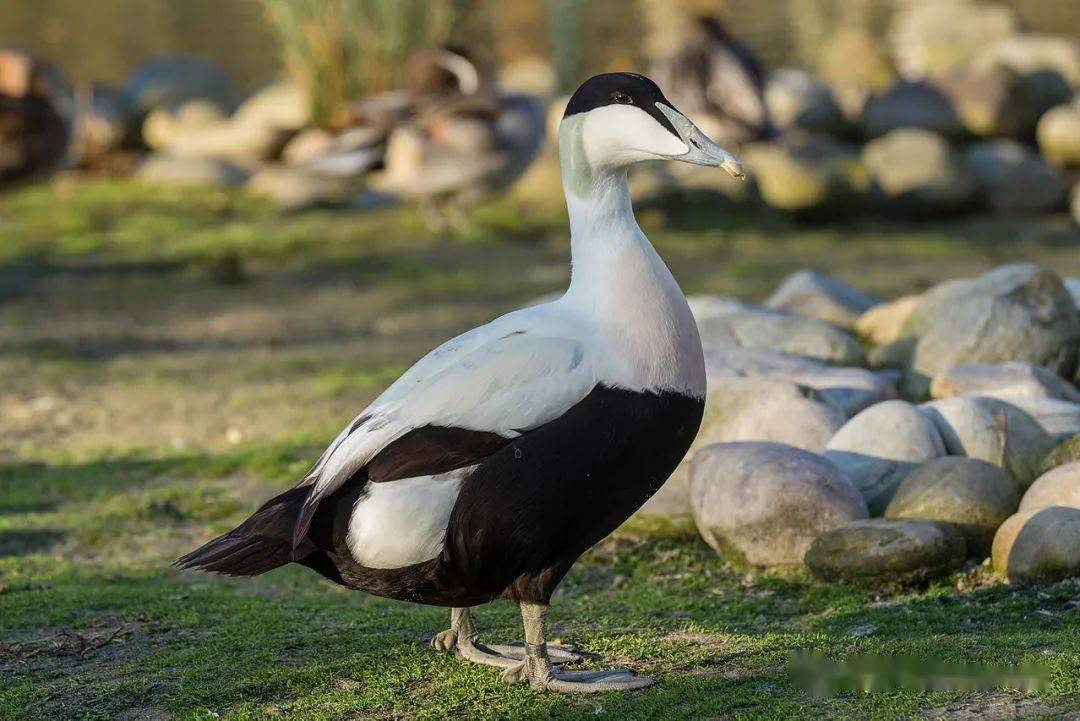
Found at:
<point>170,358</point>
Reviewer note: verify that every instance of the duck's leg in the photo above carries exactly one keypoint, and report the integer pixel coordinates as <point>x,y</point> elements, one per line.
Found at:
<point>542,675</point>
<point>462,638</point>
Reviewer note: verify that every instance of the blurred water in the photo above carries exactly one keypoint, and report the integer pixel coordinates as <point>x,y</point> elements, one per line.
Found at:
<point>102,41</point>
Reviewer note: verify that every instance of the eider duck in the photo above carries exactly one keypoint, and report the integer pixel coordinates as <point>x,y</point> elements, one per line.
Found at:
<point>448,139</point>
<point>492,464</point>
<point>719,83</point>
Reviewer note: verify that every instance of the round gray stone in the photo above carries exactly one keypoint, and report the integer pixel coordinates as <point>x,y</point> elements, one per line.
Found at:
<point>878,447</point>
<point>1012,178</point>
<point>849,389</point>
<point>727,322</point>
<point>1039,546</point>
<point>913,104</point>
<point>1059,487</point>
<point>751,408</point>
<point>916,171</point>
<point>974,496</point>
<point>1003,380</point>
<point>993,431</point>
<point>1020,312</point>
<point>1059,134</point>
<point>762,504</point>
<point>805,174</point>
<point>886,551</point>
<point>1059,418</point>
<point>767,409</point>
<point>1064,452</point>
<point>817,296</point>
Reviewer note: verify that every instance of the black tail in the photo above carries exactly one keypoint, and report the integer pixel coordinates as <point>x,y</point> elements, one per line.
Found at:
<point>259,544</point>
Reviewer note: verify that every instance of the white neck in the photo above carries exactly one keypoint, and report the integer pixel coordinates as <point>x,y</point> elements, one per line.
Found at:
<point>620,282</point>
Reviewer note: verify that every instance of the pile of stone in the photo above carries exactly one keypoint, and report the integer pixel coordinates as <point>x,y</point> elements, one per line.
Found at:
<point>174,121</point>
<point>962,111</point>
<point>967,447</point>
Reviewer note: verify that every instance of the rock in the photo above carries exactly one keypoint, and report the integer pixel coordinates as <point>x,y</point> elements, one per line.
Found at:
<point>170,82</point>
<point>767,409</point>
<point>916,171</point>
<point>728,322</point>
<point>246,138</point>
<point>283,106</point>
<point>257,132</point>
<point>980,98</point>
<point>796,99</point>
<point>1058,133</point>
<point>892,356</point>
<point>804,175</point>
<point>884,322</point>
<point>997,102</point>
<point>849,389</point>
<point>853,62</point>
<point>886,551</point>
<point>1064,452</point>
<point>813,295</point>
<point>307,145</point>
<point>1058,487</point>
<point>931,39</point>
<point>763,503</point>
<point>911,105</point>
<point>1032,53</point>
<point>935,302</point>
<point>1005,381</point>
<point>878,448</point>
<point>974,496</point>
<point>1060,419</point>
<point>1019,312</point>
<point>169,170</point>
<point>1030,96</point>
<point>295,189</point>
<point>163,124</point>
<point>241,143</point>
<point>103,122</point>
<point>1011,178</point>
<point>993,431</point>
<point>753,400</point>
<point>1072,285</point>
<point>1038,546</point>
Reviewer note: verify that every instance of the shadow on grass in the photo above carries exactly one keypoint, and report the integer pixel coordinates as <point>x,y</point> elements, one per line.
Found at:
<point>35,487</point>
<point>24,543</point>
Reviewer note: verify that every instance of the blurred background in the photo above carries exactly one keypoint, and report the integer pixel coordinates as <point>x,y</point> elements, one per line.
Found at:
<point>439,103</point>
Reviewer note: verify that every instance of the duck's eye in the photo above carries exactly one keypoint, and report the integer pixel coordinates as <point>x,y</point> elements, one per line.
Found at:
<point>622,98</point>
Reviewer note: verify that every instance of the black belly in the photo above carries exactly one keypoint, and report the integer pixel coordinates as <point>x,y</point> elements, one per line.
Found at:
<point>530,509</point>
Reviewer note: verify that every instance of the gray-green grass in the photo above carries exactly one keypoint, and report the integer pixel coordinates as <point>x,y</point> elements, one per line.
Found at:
<point>168,359</point>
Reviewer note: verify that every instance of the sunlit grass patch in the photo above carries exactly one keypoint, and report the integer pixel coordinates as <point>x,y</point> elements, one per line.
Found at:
<point>154,394</point>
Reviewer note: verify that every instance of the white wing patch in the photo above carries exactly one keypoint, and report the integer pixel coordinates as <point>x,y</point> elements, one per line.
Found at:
<point>403,522</point>
<point>514,374</point>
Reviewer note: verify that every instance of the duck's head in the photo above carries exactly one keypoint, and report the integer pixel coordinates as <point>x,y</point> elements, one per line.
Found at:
<point>617,119</point>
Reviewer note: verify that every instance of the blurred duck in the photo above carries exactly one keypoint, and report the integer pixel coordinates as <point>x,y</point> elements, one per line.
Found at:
<point>33,135</point>
<point>719,84</point>
<point>448,139</point>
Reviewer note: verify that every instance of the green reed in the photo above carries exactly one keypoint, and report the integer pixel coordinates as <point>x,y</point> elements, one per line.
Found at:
<point>344,49</point>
